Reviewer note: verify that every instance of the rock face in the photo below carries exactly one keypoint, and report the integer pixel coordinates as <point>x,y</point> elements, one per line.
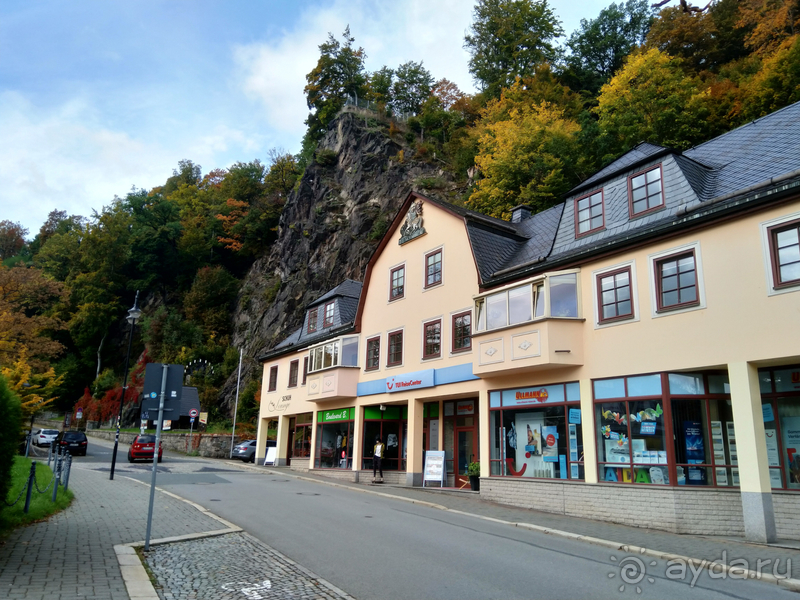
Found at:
<point>330,226</point>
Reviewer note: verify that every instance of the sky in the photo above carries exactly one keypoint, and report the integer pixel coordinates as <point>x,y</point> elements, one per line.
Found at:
<point>98,97</point>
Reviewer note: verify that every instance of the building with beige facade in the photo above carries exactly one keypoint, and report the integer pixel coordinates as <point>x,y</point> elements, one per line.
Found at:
<point>631,354</point>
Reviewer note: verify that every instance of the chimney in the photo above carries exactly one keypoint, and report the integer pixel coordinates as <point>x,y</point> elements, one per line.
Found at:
<point>520,213</point>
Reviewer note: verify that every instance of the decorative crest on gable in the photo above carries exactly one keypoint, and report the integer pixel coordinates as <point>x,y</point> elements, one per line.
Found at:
<point>412,226</point>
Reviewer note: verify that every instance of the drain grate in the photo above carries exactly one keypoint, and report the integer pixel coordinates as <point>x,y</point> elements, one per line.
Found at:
<point>307,494</point>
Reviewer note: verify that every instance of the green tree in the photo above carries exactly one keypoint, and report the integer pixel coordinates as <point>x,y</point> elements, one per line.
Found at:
<point>412,86</point>
<point>10,426</point>
<point>380,86</point>
<point>210,300</point>
<point>651,99</point>
<point>339,73</point>
<point>599,47</point>
<point>777,84</point>
<point>510,39</point>
<point>524,158</point>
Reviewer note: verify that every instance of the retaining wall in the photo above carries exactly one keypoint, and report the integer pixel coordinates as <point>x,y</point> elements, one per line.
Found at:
<point>205,444</point>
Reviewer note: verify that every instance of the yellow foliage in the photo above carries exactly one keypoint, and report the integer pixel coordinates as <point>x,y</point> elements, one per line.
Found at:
<point>36,390</point>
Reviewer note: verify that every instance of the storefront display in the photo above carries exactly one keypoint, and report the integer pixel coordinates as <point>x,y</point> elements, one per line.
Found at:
<point>535,432</point>
<point>780,407</point>
<point>335,439</point>
<point>389,423</point>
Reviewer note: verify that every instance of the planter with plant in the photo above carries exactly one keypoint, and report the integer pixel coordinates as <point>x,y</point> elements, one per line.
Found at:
<point>474,474</point>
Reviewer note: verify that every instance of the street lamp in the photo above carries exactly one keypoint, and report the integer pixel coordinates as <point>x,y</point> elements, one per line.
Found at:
<point>133,316</point>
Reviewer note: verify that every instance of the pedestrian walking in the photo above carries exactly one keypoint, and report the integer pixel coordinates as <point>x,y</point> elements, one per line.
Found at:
<point>377,459</point>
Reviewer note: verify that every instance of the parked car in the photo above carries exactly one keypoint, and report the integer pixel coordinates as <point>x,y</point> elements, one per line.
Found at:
<point>44,437</point>
<point>74,441</point>
<point>143,446</point>
<point>245,450</point>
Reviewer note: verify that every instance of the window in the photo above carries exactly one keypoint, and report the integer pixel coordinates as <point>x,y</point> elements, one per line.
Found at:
<point>341,352</point>
<point>373,354</point>
<point>462,332</point>
<point>328,314</point>
<point>398,283</point>
<point>433,340</point>
<point>433,269</point>
<point>555,295</point>
<point>395,356</point>
<point>273,378</point>
<point>391,425</point>
<point>589,215</point>
<point>293,368</point>
<point>676,281</point>
<point>780,404</point>
<point>644,192</point>
<point>305,369</point>
<point>536,432</point>
<point>334,439</point>
<point>312,320</point>
<point>784,246</point>
<point>614,298</point>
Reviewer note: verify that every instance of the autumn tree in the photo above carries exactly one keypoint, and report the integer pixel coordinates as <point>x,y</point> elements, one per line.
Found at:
<point>524,158</point>
<point>510,39</point>
<point>772,23</point>
<point>777,83</point>
<point>690,36</point>
<point>12,239</point>
<point>651,99</point>
<point>447,93</point>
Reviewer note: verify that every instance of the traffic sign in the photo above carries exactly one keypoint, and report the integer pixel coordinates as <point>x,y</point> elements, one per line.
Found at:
<point>193,413</point>
<point>191,419</point>
<point>79,414</point>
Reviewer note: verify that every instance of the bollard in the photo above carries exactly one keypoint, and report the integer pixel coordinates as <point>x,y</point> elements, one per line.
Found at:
<point>50,453</point>
<point>56,475</point>
<point>31,479</point>
<point>69,470</point>
<point>64,462</point>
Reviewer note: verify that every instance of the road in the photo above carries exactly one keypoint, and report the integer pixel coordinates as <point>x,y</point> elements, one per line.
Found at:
<point>376,547</point>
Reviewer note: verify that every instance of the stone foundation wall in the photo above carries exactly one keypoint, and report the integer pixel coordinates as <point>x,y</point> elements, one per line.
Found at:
<point>204,444</point>
<point>701,511</point>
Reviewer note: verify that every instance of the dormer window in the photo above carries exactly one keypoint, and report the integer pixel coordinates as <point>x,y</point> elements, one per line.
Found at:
<point>645,192</point>
<point>312,320</point>
<point>589,214</point>
<point>328,314</point>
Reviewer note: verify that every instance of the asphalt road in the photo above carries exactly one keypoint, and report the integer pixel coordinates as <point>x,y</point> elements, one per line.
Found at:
<point>376,547</point>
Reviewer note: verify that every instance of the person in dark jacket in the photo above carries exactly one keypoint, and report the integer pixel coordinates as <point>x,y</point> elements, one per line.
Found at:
<point>377,459</point>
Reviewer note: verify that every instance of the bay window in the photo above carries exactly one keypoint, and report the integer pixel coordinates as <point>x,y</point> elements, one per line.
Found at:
<point>342,352</point>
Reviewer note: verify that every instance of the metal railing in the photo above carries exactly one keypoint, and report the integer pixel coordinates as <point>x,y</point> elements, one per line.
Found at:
<point>61,471</point>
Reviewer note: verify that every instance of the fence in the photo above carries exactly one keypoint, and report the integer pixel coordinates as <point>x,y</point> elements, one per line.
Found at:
<point>61,471</point>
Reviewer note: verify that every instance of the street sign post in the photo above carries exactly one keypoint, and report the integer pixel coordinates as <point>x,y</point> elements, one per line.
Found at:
<point>192,415</point>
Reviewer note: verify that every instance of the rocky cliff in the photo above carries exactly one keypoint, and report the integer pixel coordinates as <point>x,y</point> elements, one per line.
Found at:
<point>330,226</point>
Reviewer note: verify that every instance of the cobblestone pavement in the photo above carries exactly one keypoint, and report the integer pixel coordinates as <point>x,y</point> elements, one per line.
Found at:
<point>232,567</point>
<point>707,548</point>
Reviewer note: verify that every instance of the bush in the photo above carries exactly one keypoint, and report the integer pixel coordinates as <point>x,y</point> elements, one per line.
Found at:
<point>326,158</point>
<point>10,409</point>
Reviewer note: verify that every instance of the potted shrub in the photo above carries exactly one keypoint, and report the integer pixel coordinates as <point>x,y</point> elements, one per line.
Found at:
<point>474,474</point>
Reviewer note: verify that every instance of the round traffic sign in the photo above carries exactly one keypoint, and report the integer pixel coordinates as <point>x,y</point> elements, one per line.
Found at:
<point>193,412</point>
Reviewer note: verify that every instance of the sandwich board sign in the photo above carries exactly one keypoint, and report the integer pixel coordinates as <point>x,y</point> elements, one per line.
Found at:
<point>434,468</point>
<point>272,454</point>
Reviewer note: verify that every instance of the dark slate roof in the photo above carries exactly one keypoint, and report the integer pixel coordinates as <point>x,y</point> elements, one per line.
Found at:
<point>345,297</point>
<point>641,153</point>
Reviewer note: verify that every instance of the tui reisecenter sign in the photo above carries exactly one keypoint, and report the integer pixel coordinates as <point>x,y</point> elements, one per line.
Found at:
<point>410,381</point>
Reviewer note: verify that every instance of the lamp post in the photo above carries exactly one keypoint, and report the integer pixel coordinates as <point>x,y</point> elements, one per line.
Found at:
<point>133,316</point>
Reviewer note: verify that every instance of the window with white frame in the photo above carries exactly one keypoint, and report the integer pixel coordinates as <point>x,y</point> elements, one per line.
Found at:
<point>554,295</point>
<point>340,352</point>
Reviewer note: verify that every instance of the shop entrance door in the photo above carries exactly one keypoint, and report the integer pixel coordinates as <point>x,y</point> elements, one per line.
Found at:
<point>290,441</point>
<point>466,451</point>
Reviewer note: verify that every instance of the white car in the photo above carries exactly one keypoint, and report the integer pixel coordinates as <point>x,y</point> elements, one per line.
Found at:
<point>45,437</point>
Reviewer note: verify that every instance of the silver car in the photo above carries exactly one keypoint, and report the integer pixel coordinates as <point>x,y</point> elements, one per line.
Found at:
<point>245,450</point>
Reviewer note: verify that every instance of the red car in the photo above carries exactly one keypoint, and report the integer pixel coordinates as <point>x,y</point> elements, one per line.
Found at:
<point>142,447</point>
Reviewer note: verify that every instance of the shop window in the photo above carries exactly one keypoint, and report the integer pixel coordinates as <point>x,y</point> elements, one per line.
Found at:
<point>301,436</point>
<point>312,320</point>
<point>644,192</point>
<point>329,308</point>
<point>433,269</point>
<point>395,354</point>
<point>784,247</point>
<point>780,404</point>
<point>334,449</point>
<point>273,379</point>
<point>397,283</point>
<point>293,368</point>
<point>432,347</point>
<point>614,298</point>
<point>536,432</point>
<point>390,425</point>
<point>305,369</point>
<point>555,296</point>
<point>373,354</point>
<point>462,332</point>
<point>589,215</point>
<point>676,281</point>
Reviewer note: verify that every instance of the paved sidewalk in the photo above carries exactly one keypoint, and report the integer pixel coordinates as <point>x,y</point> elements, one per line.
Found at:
<point>708,548</point>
